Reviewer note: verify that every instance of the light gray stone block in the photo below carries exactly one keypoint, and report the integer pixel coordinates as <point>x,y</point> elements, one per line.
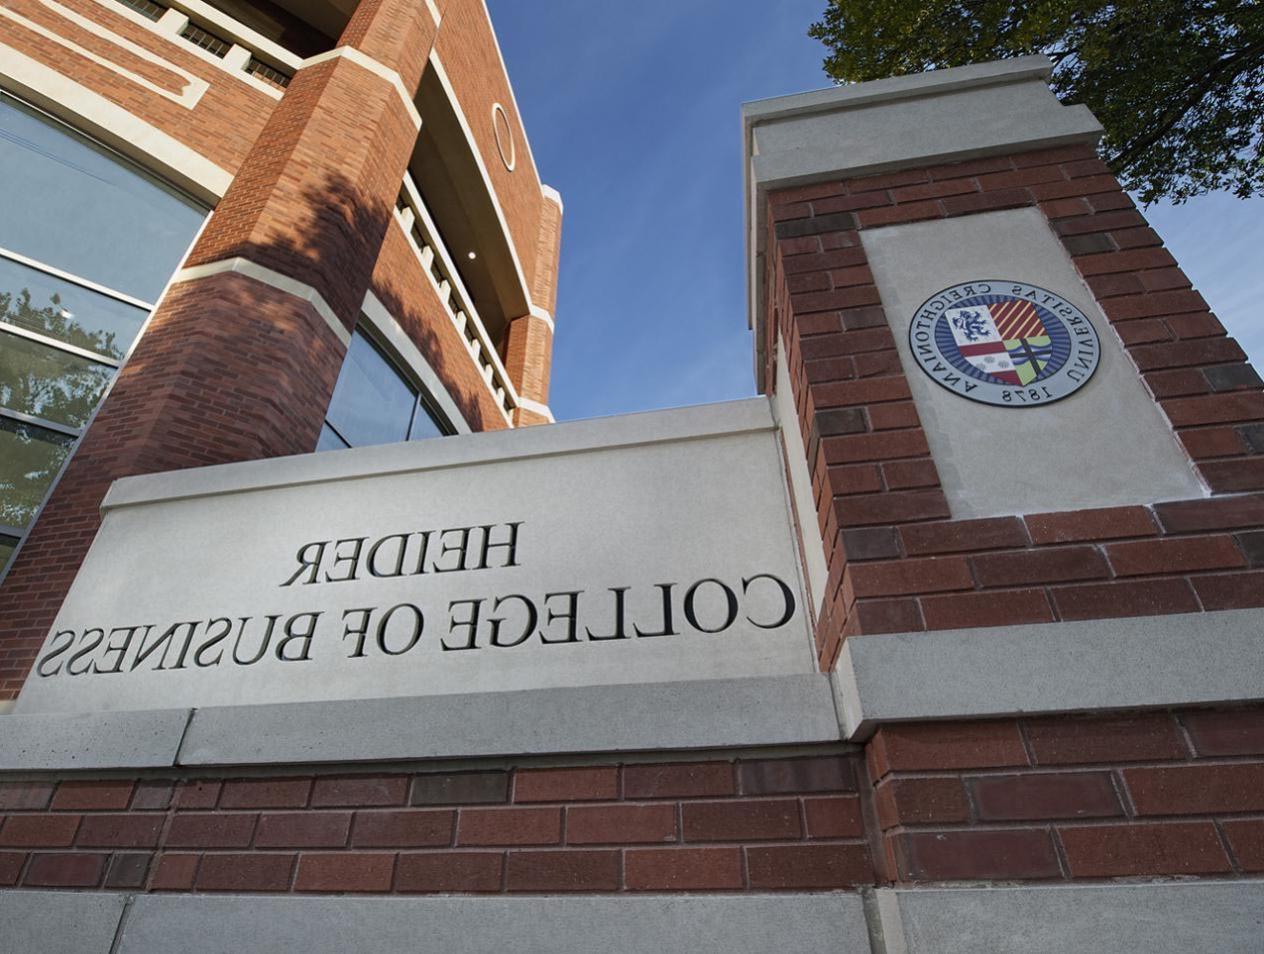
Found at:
<point>1107,445</point>
<point>58,922</point>
<point>1142,662</point>
<point>506,562</point>
<point>104,740</point>
<point>681,715</point>
<point>1173,918</point>
<point>942,116</point>
<point>486,447</point>
<point>752,924</point>
<point>947,115</point>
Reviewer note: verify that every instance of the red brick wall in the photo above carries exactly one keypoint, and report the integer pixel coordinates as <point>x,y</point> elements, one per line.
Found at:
<point>467,49</point>
<point>1104,796</point>
<point>743,823</point>
<point>222,126</point>
<point>528,350</point>
<point>1067,798</point>
<point>192,394</point>
<point>229,368</point>
<point>896,562</point>
<point>405,290</point>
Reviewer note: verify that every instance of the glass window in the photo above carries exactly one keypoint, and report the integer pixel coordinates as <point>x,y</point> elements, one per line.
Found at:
<point>76,207</point>
<point>48,382</point>
<point>425,424</point>
<point>147,8</point>
<point>7,546</point>
<point>56,308</point>
<point>29,460</point>
<point>87,240</point>
<point>374,403</point>
<point>329,440</point>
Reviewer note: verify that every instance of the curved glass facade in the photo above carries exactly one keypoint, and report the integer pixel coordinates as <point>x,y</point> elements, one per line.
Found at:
<point>87,243</point>
<point>374,402</point>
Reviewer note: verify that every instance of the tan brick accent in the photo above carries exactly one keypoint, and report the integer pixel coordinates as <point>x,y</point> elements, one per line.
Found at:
<point>528,355</point>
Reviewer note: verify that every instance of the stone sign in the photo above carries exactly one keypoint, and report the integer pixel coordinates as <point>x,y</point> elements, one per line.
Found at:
<point>648,548</point>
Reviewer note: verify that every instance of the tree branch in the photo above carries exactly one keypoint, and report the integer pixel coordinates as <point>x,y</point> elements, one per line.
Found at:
<point>1167,122</point>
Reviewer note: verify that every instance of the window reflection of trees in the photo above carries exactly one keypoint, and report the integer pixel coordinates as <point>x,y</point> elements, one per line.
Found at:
<point>56,322</point>
<point>32,457</point>
<point>45,382</point>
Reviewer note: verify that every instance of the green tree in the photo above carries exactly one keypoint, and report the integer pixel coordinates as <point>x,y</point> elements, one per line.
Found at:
<point>1177,84</point>
<point>47,383</point>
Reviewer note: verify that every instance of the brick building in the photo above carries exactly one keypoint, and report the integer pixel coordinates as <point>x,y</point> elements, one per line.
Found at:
<point>405,243</point>
<point>949,641</point>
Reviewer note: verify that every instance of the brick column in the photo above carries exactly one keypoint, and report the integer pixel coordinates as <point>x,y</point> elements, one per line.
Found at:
<point>528,354</point>
<point>896,563</point>
<point>1062,794</point>
<point>241,355</point>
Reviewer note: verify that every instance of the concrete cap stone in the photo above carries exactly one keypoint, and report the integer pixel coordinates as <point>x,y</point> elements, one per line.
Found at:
<point>945,115</point>
<point>99,740</point>
<point>1140,662</point>
<point>720,713</point>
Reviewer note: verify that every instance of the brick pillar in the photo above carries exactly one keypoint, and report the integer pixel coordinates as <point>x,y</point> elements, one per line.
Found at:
<point>966,791</point>
<point>241,355</point>
<point>898,559</point>
<point>529,338</point>
<point>528,354</point>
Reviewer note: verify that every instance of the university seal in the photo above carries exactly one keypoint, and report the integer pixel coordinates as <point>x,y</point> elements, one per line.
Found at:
<point>1005,343</point>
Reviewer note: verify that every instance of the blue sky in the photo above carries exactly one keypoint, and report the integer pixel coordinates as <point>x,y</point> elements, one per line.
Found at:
<point>633,115</point>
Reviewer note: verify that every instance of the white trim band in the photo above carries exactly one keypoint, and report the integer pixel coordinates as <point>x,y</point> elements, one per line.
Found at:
<point>535,407</point>
<point>267,276</point>
<point>1141,662</point>
<point>536,311</point>
<point>91,113</point>
<point>552,195</point>
<point>1159,918</point>
<point>188,97</point>
<point>364,61</point>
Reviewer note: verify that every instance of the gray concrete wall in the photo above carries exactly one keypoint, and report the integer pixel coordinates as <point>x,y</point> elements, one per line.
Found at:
<point>1221,917</point>
<point>1141,662</point>
<point>692,503</point>
<point>1225,917</point>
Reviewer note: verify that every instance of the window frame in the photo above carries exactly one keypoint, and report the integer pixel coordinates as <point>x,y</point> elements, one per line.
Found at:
<point>423,399</point>
<point>116,364</point>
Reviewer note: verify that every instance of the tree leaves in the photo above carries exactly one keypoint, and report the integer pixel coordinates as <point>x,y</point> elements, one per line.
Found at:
<point>1177,84</point>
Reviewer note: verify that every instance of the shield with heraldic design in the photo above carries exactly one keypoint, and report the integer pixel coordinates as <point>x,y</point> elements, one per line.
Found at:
<point>1006,343</point>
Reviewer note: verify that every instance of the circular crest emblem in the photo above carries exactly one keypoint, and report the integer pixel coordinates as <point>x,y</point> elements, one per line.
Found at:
<point>1005,343</point>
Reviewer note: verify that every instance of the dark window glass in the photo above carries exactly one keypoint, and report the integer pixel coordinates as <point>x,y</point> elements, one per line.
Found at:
<point>59,309</point>
<point>48,382</point>
<point>75,208</point>
<point>72,205</point>
<point>208,41</point>
<point>146,8</point>
<point>29,460</point>
<point>329,440</point>
<point>373,403</point>
<point>269,74</point>
<point>425,424</point>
